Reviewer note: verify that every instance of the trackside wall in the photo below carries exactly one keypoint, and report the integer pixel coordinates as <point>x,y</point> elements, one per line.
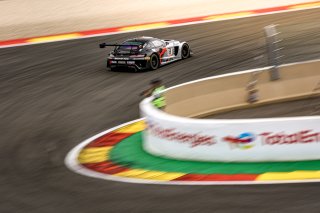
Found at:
<point>174,134</point>
<point>221,93</point>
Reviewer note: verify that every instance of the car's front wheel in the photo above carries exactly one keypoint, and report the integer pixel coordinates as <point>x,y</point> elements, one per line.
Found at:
<point>154,62</point>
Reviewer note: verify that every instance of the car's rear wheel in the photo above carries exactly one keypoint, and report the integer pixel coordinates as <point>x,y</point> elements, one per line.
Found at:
<point>185,51</point>
<point>154,62</point>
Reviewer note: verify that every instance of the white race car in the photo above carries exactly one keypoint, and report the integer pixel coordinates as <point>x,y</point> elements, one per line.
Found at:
<point>146,53</point>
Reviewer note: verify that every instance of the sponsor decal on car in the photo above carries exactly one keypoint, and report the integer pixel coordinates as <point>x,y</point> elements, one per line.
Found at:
<point>121,58</point>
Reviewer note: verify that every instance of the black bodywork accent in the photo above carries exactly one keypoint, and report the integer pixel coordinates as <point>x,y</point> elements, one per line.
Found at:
<point>176,50</point>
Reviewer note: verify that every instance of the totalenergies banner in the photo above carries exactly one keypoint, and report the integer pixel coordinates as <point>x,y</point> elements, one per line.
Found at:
<point>244,140</point>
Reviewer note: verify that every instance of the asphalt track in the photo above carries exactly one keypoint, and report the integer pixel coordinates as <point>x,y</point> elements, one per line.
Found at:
<point>55,95</point>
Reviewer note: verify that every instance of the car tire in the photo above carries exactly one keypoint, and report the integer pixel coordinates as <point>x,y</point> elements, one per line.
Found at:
<point>154,62</point>
<point>185,51</point>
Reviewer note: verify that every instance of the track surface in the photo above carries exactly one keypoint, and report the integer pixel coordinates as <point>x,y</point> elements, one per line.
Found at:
<point>55,95</point>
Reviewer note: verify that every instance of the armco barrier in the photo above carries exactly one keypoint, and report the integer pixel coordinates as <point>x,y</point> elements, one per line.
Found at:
<point>174,134</point>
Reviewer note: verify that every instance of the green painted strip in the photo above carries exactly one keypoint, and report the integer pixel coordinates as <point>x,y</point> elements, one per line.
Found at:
<point>129,153</point>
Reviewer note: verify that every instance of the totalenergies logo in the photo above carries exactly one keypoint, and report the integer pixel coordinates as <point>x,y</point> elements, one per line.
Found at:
<point>243,141</point>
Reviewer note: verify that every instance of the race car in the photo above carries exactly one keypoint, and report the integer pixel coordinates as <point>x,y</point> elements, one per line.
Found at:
<point>146,53</point>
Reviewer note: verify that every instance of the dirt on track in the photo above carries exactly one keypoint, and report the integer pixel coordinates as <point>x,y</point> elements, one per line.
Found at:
<point>55,95</point>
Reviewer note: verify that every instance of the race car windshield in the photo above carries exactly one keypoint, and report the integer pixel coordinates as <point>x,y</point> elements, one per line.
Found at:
<point>130,46</point>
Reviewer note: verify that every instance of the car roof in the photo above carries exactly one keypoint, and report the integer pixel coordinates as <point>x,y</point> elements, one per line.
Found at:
<point>143,39</point>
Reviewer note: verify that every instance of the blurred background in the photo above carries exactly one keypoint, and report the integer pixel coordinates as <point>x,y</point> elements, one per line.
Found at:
<point>20,18</point>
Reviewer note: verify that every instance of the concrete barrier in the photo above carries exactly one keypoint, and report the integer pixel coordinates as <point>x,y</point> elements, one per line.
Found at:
<point>175,134</point>
<point>206,96</point>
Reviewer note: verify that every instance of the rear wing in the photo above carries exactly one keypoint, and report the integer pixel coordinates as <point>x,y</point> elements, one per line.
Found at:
<point>103,45</point>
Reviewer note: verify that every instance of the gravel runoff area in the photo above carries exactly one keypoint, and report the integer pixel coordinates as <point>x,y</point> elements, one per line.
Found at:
<point>20,18</point>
